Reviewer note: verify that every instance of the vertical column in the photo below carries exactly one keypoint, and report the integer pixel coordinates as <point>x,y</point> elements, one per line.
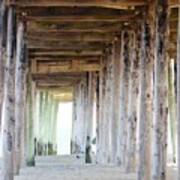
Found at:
<point>172,107</point>
<point>82,114</point>
<point>89,116</point>
<point>105,112</point>
<point>2,54</point>
<point>49,129</point>
<point>159,143</point>
<point>74,148</point>
<point>43,122</point>
<point>113,122</point>
<point>101,131</point>
<point>107,124</point>
<point>132,104</point>
<point>124,85</point>
<point>80,118</point>
<point>20,81</point>
<point>53,125</point>
<point>55,116</point>
<point>97,97</point>
<point>40,124</point>
<point>46,123</point>
<point>36,125</point>
<point>178,91</point>
<point>30,123</point>
<point>24,123</point>
<point>116,97</point>
<point>8,106</point>
<point>145,108</point>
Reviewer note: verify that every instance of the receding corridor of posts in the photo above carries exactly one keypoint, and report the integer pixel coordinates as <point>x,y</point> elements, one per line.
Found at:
<point>89,89</point>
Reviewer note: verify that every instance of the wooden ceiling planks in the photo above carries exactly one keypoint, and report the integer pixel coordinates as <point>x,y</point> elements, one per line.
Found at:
<point>72,36</point>
<point>65,66</point>
<point>63,36</point>
<point>75,14</point>
<point>118,4</point>
<point>53,27</point>
<point>66,37</point>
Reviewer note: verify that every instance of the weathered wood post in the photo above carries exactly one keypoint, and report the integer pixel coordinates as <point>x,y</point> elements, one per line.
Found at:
<point>160,113</point>
<point>112,71</point>
<point>116,96</point>
<point>106,112</point>
<point>37,122</point>
<point>97,98</point>
<point>132,104</point>
<point>74,148</point>
<point>172,107</point>
<point>79,123</point>
<point>89,116</point>
<point>3,19</point>
<point>83,112</point>
<point>101,131</point>
<point>124,87</point>
<point>8,104</point>
<point>30,159</point>
<point>145,104</point>
<point>52,126</point>
<point>20,82</point>
<point>55,116</point>
<point>52,121</point>
<point>46,122</point>
<point>178,91</point>
<point>38,114</point>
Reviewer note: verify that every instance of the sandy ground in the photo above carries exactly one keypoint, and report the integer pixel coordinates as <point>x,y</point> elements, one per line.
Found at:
<point>72,168</point>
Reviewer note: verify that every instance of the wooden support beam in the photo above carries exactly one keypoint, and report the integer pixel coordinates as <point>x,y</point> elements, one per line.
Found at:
<point>178,92</point>
<point>58,84</point>
<point>74,147</point>
<point>30,115</point>
<point>37,44</point>
<point>124,85</point>
<point>41,119</point>
<point>8,110</point>
<point>20,99</point>
<point>111,121</point>
<point>101,3</point>
<point>71,37</point>
<point>85,19</point>
<point>159,141</point>
<point>63,97</point>
<point>75,27</point>
<point>97,111</point>
<point>73,66</point>
<point>100,120</point>
<point>62,81</point>
<point>67,58</point>
<point>77,14</point>
<point>172,108</point>
<point>50,53</point>
<point>67,11</point>
<point>58,76</point>
<point>145,103</point>
<point>55,89</point>
<point>115,93</point>
<point>105,128</point>
<point>89,116</point>
<point>80,126</point>
<point>3,20</point>
<point>44,123</point>
<point>130,162</point>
